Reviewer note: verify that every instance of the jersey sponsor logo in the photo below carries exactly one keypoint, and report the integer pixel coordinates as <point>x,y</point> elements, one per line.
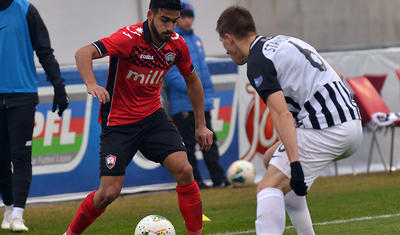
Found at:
<point>169,57</point>
<point>110,161</point>
<point>153,77</point>
<point>258,81</point>
<point>146,57</point>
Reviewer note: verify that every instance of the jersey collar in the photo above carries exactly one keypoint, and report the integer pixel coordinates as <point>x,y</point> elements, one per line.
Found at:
<point>147,36</point>
<point>255,41</point>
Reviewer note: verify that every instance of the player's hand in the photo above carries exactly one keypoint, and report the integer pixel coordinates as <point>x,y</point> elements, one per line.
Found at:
<point>60,99</point>
<point>204,137</point>
<point>98,92</point>
<point>297,181</point>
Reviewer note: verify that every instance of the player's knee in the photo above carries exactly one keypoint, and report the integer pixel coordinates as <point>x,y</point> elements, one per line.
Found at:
<point>185,174</point>
<point>109,196</point>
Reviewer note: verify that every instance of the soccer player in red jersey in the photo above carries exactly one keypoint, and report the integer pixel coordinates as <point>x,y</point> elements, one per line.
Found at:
<point>131,114</point>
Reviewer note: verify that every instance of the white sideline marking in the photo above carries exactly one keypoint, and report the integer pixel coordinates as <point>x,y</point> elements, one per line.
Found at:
<point>321,223</point>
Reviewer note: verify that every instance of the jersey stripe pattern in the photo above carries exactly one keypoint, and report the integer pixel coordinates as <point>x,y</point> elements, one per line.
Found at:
<point>313,91</point>
<point>136,71</point>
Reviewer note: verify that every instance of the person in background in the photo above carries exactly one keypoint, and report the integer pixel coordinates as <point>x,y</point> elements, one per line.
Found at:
<point>180,107</point>
<point>22,31</point>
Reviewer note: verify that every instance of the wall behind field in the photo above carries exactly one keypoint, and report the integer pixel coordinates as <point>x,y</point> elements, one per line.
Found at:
<point>326,24</point>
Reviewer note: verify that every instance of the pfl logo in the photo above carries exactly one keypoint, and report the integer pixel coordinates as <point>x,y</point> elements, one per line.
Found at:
<point>260,130</point>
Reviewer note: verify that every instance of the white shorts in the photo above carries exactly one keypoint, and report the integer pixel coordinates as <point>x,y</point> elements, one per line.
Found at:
<point>318,148</point>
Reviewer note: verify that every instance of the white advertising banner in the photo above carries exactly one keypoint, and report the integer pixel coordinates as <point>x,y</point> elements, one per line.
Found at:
<point>256,132</point>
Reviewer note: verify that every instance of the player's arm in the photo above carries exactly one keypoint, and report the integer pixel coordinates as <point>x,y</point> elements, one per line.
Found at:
<point>40,40</point>
<point>283,122</point>
<point>84,57</point>
<point>195,92</point>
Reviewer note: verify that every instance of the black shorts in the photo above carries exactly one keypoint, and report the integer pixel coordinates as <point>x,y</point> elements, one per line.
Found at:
<point>155,137</point>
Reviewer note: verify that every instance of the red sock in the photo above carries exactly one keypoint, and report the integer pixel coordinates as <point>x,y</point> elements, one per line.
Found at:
<point>190,205</point>
<point>85,215</point>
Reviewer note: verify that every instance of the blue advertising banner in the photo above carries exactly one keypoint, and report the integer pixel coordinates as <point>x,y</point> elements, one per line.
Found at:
<point>65,152</point>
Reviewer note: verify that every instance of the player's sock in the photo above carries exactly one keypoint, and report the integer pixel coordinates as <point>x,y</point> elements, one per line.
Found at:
<point>270,212</point>
<point>17,212</point>
<point>86,214</point>
<point>297,210</point>
<point>190,205</point>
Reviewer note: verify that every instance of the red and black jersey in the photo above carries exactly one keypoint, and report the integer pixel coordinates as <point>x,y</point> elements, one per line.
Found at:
<point>136,71</point>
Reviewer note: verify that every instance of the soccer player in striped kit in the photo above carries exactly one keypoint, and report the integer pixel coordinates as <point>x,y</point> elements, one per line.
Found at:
<point>313,113</point>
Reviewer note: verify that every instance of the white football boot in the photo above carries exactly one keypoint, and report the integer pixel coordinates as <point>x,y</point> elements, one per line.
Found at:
<point>5,224</point>
<point>17,225</point>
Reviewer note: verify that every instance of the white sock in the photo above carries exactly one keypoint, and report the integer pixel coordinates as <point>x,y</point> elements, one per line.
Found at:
<point>270,212</point>
<point>8,208</point>
<point>17,212</point>
<point>297,210</point>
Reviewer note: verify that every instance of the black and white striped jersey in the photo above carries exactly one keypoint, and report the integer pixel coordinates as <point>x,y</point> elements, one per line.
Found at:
<point>314,92</point>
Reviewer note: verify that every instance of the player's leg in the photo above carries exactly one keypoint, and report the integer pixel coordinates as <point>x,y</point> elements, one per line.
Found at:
<point>5,171</point>
<point>269,152</point>
<point>296,206</point>
<point>117,147</point>
<point>297,209</point>
<point>270,202</point>
<point>20,128</point>
<point>162,143</point>
<point>95,203</point>
<point>186,127</point>
<point>188,191</point>
<point>211,158</point>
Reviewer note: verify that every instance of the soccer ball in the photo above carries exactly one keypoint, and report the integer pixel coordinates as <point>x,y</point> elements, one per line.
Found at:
<point>154,225</point>
<point>241,173</point>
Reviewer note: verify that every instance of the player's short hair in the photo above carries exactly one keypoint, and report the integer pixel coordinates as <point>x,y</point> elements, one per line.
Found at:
<point>237,21</point>
<point>165,4</point>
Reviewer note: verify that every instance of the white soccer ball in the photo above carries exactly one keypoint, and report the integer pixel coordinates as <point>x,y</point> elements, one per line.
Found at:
<point>154,225</point>
<point>241,173</point>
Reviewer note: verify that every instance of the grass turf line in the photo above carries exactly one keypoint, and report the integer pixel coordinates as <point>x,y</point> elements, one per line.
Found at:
<point>234,209</point>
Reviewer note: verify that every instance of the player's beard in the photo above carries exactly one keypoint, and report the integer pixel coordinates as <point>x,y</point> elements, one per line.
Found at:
<point>158,35</point>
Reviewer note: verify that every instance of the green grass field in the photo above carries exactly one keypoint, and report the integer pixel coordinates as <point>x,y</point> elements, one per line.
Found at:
<point>233,210</point>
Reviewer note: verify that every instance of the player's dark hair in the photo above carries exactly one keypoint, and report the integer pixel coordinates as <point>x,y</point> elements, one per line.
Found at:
<point>237,21</point>
<point>165,4</point>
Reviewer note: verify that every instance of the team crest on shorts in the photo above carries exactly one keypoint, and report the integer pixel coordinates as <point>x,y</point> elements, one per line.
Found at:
<point>169,57</point>
<point>110,161</point>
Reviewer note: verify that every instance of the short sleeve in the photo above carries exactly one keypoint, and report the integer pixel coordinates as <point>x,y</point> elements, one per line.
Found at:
<point>184,62</point>
<point>118,44</point>
<point>263,76</point>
